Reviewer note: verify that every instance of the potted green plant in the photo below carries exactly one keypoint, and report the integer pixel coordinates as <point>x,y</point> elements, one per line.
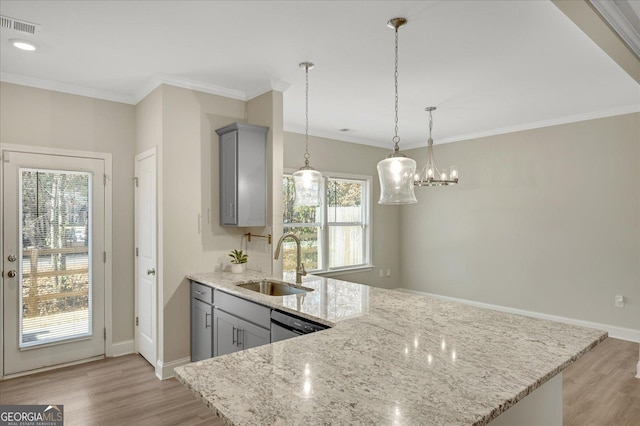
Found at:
<point>238,257</point>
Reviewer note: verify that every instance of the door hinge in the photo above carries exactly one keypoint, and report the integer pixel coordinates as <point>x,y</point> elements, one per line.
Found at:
<point>105,180</point>
<point>104,256</point>
<point>105,333</point>
<point>136,251</point>
<point>136,321</point>
<point>135,180</point>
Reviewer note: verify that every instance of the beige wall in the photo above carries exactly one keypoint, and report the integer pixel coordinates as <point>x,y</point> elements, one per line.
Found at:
<point>44,118</point>
<point>181,123</point>
<point>190,188</point>
<point>546,220</point>
<point>342,157</point>
<point>266,110</point>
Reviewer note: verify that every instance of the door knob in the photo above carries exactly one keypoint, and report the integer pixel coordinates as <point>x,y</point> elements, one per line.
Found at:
<point>11,258</point>
<point>151,271</point>
<point>11,274</point>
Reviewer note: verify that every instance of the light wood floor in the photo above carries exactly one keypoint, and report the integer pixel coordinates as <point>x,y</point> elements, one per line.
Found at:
<point>113,391</point>
<point>600,389</point>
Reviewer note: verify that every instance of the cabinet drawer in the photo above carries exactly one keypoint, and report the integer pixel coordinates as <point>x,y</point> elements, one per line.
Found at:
<point>201,292</point>
<point>244,309</point>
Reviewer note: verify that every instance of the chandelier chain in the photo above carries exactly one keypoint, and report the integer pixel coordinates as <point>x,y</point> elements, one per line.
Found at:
<point>306,112</point>
<point>396,138</point>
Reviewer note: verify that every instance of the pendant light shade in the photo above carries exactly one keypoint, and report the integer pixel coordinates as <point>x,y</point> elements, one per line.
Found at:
<point>397,171</point>
<point>396,180</point>
<point>307,181</point>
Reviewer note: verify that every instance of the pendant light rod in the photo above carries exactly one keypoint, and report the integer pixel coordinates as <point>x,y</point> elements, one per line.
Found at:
<point>395,24</point>
<point>307,66</point>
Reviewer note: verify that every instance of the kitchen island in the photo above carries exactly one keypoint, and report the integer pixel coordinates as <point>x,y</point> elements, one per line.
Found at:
<point>390,358</point>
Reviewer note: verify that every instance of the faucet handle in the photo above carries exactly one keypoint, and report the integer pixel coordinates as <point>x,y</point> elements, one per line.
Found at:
<point>304,272</point>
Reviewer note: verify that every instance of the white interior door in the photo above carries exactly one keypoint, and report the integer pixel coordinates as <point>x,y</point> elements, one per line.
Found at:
<point>53,260</point>
<point>146,256</point>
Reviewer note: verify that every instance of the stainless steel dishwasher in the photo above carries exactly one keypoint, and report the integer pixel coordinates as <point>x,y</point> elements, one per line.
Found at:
<point>285,326</point>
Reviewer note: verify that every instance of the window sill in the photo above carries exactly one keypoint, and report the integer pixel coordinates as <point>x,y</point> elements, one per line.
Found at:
<point>343,271</point>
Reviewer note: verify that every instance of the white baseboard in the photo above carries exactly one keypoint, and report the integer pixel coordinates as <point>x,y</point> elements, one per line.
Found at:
<point>165,371</point>
<point>638,371</point>
<point>622,333</point>
<point>125,347</point>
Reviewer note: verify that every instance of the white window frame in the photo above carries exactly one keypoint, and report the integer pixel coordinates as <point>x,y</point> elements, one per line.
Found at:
<point>323,253</point>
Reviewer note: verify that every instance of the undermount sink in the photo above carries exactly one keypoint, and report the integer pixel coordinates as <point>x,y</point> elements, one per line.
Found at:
<point>274,288</point>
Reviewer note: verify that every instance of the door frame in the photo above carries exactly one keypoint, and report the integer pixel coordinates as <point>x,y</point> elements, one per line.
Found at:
<point>108,230</point>
<point>154,327</point>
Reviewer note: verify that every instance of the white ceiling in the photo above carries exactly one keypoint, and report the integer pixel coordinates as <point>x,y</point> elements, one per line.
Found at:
<point>489,66</point>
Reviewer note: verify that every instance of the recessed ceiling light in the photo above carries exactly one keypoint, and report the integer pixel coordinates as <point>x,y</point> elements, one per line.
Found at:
<point>23,45</point>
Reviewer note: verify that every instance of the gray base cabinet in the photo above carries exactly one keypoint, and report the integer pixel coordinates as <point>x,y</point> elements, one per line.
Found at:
<point>233,334</point>
<point>201,331</point>
<point>201,322</point>
<point>239,324</point>
<point>231,324</point>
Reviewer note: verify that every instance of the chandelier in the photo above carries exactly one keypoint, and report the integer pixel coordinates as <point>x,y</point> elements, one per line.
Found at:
<point>430,175</point>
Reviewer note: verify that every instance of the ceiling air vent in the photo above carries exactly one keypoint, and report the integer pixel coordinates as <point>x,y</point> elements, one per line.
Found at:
<point>18,25</point>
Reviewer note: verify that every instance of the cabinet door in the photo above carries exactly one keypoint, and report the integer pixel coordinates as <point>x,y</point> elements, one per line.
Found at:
<point>201,330</point>
<point>252,172</point>
<point>229,178</point>
<point>251,335</point>
<point>226,333</point>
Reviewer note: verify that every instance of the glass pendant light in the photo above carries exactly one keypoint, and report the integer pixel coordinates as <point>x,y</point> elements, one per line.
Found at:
<point>306,180</point>
<point>430,175</point>
<point>396,172</point>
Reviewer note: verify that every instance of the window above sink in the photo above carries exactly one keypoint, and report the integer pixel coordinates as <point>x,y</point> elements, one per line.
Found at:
<point>336,236</point>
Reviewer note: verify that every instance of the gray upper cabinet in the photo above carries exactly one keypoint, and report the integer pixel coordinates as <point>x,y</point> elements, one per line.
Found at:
<point>243,175</point>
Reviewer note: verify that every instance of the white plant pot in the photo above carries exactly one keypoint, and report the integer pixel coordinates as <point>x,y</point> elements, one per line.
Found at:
<point>236,268</point>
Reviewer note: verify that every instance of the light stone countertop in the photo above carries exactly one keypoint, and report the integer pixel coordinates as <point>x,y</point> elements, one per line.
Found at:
<point>330,302</point>
<point>391,358</point>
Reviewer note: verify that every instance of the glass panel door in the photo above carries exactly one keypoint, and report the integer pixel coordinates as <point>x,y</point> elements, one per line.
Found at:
<point>55,264</point>
<point>53,245</point>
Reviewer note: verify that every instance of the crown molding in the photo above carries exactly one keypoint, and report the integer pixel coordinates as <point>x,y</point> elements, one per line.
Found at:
<point>185,83</point>
<point>352,138</point>
<point>151,84</point>
<point>539,124</point>
<point>616,17</point>
<point>66,88</point>
<point>273,85</point>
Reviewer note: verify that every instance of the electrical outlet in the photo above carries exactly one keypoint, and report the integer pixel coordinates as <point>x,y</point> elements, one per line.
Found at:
<point>619,301</point>
<point>381,273</point>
